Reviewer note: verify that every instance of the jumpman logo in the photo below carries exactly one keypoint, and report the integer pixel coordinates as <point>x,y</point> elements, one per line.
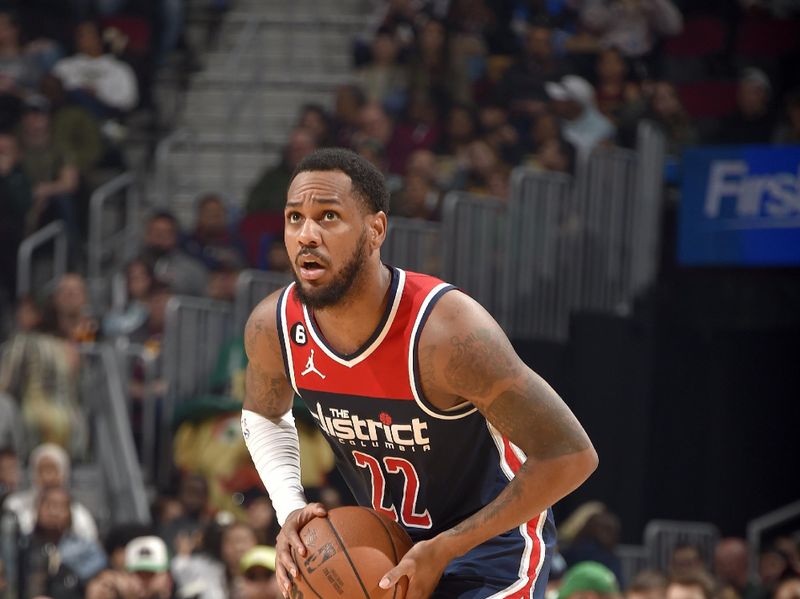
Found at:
<point>310,366</point>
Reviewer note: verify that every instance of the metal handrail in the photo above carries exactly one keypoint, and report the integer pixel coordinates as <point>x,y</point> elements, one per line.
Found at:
<point>757,526</point>
<point>116,451</point>
<point>55,231</point>
<point>248,280</point>
<point>97,204</point>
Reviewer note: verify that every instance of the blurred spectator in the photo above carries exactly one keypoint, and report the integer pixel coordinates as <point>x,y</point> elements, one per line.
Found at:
<point>418,198</point>
<point>9,471</point>
<point>20,72</point>
<point>522,88</point>
<point>222,281</point>
<point>774,565</point>
<point>633,26</point>
<point>132,316</point>
<point>113,584</point>
<point>260,516</point>
<point>212,242</point>
<point>432,69</point>
<point>614,88</point>
<point>316,119</point>
<point>483,162</point>
<point>647,584</point>
<point>686,560</point>
<point>74,319</point>
<point>788,589</point>
<point>147,558</point>
<point>582,124</point>
<point>258,572</point>
<point>665,110</point>
<point>52,171</point>
<point>54,560</point>
<point>350,99</point>
<point>3,582</point>
<point>74,129</point>
<point>193,497</point>
<point>117,539</point>
<point>99,82</point>
<point>731,567</point>
<point>184,274</point>
<point>40,371</point>
<point>588,580</point>
<point>29,314</point>
<point>596,541</point>
<point>545,128</point>
<point>383,79</point>
<point>789,131</point>
<point>461,128</point>
<point>690,584</point>
<point>215,570</point>
<point>374,124</point>
<point>16,200</point>
<point>418,129</point>
<point>49,468</point>
<point>753,121</point>
<point>268,193</point>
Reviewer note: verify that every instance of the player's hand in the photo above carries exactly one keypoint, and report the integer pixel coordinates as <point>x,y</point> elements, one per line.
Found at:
<point>288,539</point>
<point>423,565</point>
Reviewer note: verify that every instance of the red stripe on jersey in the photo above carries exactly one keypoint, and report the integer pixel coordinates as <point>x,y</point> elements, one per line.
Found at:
<point>531,529</point>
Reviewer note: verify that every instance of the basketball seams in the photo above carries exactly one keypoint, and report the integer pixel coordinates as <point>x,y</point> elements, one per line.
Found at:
<point>347,555</point>
<point>303,576</point>
<point>391,542</point>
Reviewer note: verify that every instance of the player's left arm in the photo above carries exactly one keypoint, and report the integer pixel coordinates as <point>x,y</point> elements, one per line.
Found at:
<point>464,355</point>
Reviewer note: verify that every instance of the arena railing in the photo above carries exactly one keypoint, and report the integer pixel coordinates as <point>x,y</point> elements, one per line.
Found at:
<point>252,286</point>
<point>9,548</point>
<point>633,559</point>
<point>55,233</point>
<point>413,244</point>
<point>757,527</point>
<point>473,246</point>
<point>195,330</point>
<point>113,232</point>
<point>103,392</point>
<point>662,536</point>
<point>541,281</point>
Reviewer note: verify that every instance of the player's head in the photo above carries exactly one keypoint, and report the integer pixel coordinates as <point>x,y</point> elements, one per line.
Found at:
<point>335,224</point>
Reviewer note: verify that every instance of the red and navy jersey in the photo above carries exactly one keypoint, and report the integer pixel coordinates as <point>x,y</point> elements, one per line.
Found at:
<point>426,468</point>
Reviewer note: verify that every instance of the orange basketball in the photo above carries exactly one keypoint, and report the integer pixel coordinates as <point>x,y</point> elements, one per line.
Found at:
<point>349,551</point>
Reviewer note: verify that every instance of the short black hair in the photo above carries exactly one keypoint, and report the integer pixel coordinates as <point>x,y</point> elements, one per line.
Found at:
<point>163,215</point>
<point>368,183</point>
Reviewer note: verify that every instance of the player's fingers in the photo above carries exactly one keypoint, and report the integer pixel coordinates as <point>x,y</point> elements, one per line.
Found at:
<point>404,568</point>
<point>284,583</point>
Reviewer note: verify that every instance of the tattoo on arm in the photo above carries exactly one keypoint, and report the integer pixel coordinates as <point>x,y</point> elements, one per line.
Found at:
<point>477,361</point>
<point>268,393</point>
<point>534,417</point>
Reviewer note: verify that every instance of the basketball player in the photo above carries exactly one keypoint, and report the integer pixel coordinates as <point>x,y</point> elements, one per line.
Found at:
<point>433,418</point>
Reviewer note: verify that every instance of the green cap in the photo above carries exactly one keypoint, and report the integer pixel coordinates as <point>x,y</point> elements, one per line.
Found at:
<point>260,555</point>
<point>588,576</point>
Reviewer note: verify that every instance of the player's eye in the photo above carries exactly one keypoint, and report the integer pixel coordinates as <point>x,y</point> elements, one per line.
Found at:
<point>330,215</point>
<point>293,217</point>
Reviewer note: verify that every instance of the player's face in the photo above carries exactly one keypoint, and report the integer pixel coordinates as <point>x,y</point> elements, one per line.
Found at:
<point>325,236</point>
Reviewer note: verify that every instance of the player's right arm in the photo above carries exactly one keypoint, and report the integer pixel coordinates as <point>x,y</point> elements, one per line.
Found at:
<point>271,437</point>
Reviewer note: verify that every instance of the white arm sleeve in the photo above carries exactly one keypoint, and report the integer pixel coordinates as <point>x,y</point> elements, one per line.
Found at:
<point>275,450</point>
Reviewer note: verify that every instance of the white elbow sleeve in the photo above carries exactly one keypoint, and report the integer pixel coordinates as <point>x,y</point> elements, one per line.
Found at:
<point>275,450</point>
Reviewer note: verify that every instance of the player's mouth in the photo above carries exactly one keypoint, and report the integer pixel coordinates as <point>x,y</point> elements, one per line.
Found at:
<point>311,267</point>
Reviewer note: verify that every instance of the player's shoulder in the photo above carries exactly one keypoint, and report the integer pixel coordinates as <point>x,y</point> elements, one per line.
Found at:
<point>455,313</point>
<point>262,323</point>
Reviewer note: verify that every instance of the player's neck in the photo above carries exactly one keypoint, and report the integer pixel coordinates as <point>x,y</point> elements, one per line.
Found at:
<point>348,325</point>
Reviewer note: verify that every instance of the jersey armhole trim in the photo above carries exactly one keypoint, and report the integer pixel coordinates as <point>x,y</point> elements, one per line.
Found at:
<point>283,336</point>
<point>460,411</point>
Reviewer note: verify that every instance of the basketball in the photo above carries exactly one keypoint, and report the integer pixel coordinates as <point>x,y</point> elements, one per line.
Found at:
<point>349,551</point>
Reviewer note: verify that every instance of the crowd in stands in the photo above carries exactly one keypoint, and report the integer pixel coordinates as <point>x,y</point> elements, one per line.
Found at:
<point>447,96</point>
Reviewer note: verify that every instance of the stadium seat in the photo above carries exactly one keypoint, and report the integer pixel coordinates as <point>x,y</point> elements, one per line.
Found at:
<point>708,99</point>
<point>701,36</point>
<point>767,38</point>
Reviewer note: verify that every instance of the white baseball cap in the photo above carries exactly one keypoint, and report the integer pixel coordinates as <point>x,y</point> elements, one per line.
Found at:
<point>571,87</point>
<point>146,554</point>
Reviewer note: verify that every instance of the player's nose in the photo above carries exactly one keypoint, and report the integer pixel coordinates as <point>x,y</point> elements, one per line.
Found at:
<point>309,233</point>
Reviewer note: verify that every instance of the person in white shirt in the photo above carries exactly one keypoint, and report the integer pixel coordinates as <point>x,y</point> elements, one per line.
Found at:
<point>49,467</point>
<point>100,82</point>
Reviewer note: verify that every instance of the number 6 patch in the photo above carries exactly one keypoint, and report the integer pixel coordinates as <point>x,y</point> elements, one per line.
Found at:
<point>298,334</point>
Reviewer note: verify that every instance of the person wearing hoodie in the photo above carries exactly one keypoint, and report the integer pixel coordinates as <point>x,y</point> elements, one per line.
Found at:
<point>49,468</point>
<point>582,123</point>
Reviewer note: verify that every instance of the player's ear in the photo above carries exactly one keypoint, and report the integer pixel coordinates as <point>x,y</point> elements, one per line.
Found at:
<point>377,229</point>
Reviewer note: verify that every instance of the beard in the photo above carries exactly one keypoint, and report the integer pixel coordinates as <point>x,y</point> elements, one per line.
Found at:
<point>343,281</point>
